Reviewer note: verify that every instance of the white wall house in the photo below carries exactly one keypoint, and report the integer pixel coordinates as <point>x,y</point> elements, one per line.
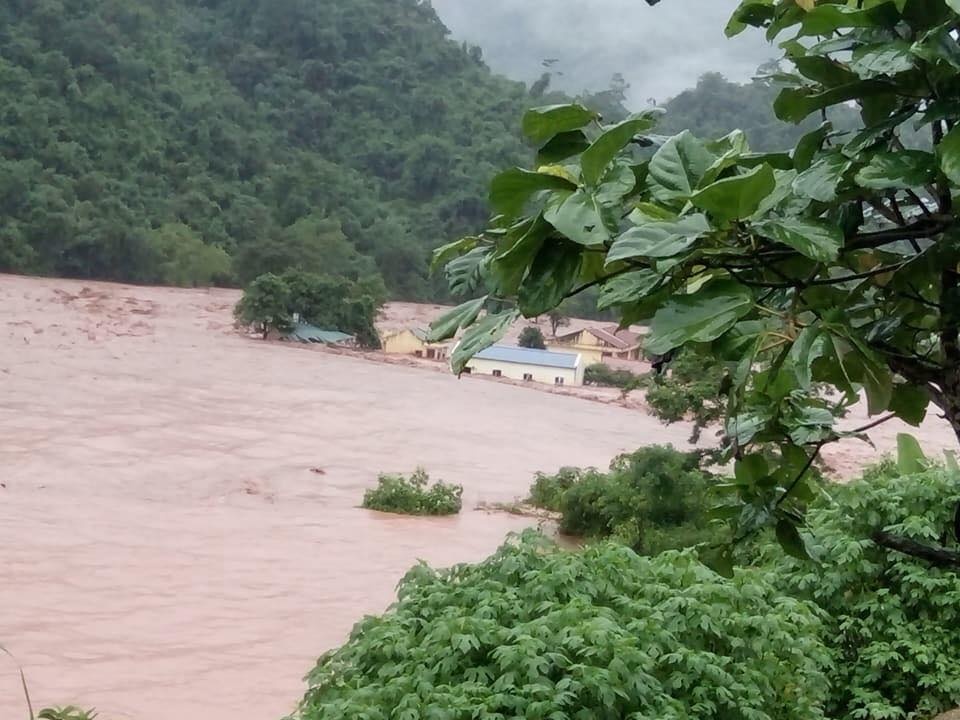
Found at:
<point>517,363</point>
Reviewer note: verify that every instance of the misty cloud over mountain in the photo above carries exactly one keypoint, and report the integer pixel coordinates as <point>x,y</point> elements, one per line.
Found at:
<point>660,50</point>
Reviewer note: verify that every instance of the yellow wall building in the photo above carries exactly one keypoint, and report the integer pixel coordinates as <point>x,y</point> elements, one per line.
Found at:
<point>413,342</point>
<point>595,344</point>
<point>517,363</point>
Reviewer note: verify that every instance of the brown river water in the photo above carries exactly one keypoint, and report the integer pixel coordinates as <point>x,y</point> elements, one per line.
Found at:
<point>166,551</point>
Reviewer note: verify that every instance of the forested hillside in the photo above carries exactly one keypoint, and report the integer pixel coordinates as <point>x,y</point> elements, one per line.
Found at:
<point>353,134</point>
<point>190,141</point>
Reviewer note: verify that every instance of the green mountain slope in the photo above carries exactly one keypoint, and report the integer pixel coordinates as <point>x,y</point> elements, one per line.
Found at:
<point>358,129</point>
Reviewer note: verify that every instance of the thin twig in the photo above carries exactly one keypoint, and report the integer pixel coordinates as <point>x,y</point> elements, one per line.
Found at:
<point>810,461</point>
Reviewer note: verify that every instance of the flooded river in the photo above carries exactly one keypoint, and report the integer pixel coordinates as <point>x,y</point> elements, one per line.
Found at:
<point>166,552</point>
<point>179,530</point>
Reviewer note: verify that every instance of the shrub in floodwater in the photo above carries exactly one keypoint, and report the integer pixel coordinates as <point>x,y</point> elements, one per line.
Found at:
<point>536,632</point>
<point>654,499</point>
<point>70,712</point>
<point>547,490</point>
<point>603,375</point>
<point>414,495</point>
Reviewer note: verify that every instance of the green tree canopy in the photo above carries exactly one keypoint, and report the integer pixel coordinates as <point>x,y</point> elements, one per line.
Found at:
<point>836,264</point>
<point>532,337</point>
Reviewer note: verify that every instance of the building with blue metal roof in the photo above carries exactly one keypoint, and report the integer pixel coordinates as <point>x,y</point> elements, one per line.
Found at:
<point>528,364</point>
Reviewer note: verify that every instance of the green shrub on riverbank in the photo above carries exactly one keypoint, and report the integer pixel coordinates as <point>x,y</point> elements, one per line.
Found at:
<point>413,495</point>
<point>537,632</point>
<point>893,622</point>
<point>654,499</point>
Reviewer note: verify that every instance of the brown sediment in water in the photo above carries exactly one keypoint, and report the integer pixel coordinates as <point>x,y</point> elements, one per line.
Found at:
<point>179,532</point>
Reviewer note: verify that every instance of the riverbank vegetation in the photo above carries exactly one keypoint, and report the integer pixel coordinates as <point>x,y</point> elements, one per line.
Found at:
<point>863,632</point>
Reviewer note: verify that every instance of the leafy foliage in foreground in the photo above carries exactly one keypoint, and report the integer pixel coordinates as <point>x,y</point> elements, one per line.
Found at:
<point>892,622</point>
<point>271,302</point>
<point>654,499</point>
<point>836,265</point>
<point>413,495</point>
<point>536,632</point>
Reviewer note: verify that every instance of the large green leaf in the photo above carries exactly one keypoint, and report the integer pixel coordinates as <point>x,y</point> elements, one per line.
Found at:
<point>562,146</point>
<point>910,457</point>
<point>659,239</point>
<point>509,267</point>
<point>465,274</point>
<point>819,182</point>
<point>730,148</point>
<point>910,403</point>
<point>790,540</point>
<point>736,197</point>
<point>805,350</point>
<point>825,19</point>
<point>870,136</point>
<point>866,367</point>
<point>445,253</point>
<point>447,325</point>
<point>701,317</point>
<point>578,216</point>
<point>809,145</point>
<point>551,277</point>
<point>627,288</point>
<point>902,169</point>
<point>511,189</point>
<point>597,157</point>
<point>795,104</point>
<point>617,181</point>
<point>676,168</point>
<point>750,12</point>
<point>871,61</point>
<point>542,123</point>
<point>481,336</point>
<point>813,239</point>
<point>948,153</point>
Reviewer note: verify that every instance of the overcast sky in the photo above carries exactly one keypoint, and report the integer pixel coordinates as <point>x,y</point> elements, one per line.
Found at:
<point>660,50</point>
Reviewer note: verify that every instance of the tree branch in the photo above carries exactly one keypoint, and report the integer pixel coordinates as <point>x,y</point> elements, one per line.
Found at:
<point>934,554</point>
<point>921,229</point>
<point>796,481</point>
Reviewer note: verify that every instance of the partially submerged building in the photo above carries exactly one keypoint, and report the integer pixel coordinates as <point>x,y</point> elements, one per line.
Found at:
<point>306,333</point>
<point>527,364</point>
<point>596,343</point>
<point>413,341</point>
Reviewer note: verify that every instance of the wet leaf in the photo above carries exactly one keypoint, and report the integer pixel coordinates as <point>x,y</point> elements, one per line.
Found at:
<point>702,317</point>
<point>542,123</point>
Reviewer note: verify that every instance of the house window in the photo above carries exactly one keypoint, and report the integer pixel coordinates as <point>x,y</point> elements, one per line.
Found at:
<point>527,376</point>
<point>418,353</point>
<point>497,373</point>
<point>558,381</point>
<point>467,371</point>
<point>431,354</point>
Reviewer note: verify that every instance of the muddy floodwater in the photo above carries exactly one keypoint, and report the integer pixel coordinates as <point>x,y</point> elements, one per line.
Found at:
<point>179,530</point>
<point>166,551</point>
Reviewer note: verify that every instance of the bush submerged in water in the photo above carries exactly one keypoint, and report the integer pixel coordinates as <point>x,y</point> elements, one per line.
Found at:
<point>413,495</point>
<point>654,499</point>
<point>535,632</point>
